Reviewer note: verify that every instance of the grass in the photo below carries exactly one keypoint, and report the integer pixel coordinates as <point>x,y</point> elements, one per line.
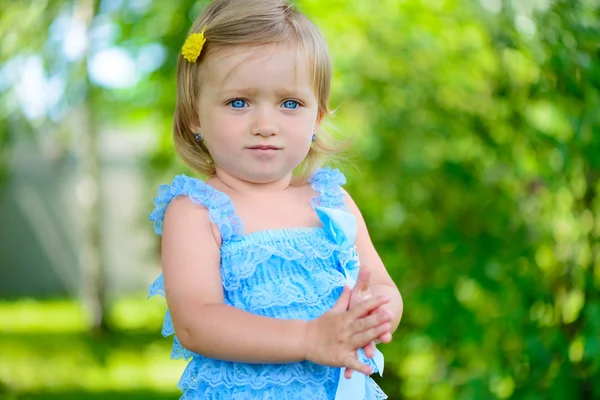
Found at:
<point>47,352</point>
<point>79,395</point>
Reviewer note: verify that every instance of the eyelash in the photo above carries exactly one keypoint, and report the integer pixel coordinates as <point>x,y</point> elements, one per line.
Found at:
<point>230,102</point>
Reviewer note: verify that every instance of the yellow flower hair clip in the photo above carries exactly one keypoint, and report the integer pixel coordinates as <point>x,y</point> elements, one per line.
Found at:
<point>193,46</point>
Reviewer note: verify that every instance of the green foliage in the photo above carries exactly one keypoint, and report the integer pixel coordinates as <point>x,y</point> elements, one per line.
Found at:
<point>478,175</point>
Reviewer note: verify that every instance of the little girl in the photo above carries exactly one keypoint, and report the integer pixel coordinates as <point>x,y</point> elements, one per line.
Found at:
<point>259,259</point>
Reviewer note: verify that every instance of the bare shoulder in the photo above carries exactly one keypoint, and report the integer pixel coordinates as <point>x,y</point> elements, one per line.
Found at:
<point>184,217</point>
<point>183,205</point>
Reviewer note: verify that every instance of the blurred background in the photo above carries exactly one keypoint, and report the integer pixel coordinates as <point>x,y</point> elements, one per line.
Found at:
<point>476,164</point>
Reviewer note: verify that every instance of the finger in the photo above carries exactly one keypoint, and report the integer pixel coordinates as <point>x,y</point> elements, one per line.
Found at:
<point>344,301</point>
<point>367,306</point>
<point>385,338</point>
<point>362,339</point>
<point>370,349</point>
<point>370,321</point>
<point>347,373</point>
<point>363,281</point>
<point>359,295</point>
<point>353,364</point>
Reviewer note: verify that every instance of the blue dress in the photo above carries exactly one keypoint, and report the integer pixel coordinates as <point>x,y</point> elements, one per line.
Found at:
<point>292,273</point>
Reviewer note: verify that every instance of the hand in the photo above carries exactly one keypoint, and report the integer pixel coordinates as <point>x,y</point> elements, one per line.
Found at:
<point>333,338</point>
<point>360,293</point>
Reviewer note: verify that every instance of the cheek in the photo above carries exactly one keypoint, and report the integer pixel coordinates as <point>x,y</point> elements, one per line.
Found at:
<point>308,127</point>
<point>223,128</point>
<point>312,119</point>
<point>306,122</point>
<point>234,125</point>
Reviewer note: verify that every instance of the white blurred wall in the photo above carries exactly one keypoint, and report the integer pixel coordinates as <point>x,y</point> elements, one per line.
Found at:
<point>40,220</point>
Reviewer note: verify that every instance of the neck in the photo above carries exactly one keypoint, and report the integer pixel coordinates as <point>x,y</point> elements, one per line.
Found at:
<point>244,186</point>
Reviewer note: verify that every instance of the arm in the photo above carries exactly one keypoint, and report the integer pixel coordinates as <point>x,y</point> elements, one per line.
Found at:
<point>381,282</point>
<point>194,293</point>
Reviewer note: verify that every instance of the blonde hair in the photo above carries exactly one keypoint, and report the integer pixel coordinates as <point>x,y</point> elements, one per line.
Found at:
<point>234,23</point>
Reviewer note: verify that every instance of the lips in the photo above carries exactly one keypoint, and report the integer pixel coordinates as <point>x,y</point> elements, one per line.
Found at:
<point>264,147</point>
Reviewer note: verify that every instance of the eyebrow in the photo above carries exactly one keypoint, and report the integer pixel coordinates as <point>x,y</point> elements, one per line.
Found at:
<point>241,91</point>
<point>250,92</point>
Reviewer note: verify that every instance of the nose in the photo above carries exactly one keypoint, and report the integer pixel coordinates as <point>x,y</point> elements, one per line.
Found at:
<point>264,122</point>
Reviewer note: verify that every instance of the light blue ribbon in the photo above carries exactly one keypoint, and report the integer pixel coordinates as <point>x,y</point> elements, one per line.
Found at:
<point>340,225</point>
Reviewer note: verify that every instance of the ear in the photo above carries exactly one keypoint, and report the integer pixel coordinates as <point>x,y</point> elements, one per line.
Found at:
<point>195,123</point>
<point>195,127</point>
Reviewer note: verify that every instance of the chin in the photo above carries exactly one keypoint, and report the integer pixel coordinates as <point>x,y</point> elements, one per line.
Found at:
<point>264,176</point>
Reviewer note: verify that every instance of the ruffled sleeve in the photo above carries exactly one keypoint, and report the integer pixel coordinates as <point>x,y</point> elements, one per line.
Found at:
<point>327,182</point>
<point>220,208</point>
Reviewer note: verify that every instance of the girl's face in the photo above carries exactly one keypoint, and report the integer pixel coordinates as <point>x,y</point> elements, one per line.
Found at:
<point>257,112</point>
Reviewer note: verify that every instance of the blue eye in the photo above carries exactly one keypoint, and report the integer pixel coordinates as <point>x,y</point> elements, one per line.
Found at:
<point>238,103</point>
<point>290,104</point>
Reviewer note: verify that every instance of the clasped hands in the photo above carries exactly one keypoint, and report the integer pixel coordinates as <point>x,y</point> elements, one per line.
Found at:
<point>356,321</point>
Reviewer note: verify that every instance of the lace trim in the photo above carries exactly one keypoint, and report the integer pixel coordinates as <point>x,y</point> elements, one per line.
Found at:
<point>240,265</point>
<point>294,392</point>
<point>328,183</point>
<point>282,294</point>
<point>213,379</point>
<point>291,392</point>
<point>220,208</point>
<point>202,371</point>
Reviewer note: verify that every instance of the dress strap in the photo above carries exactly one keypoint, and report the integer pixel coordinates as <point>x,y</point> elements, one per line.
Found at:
<point>219,205</point>
<point>327,183</point>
